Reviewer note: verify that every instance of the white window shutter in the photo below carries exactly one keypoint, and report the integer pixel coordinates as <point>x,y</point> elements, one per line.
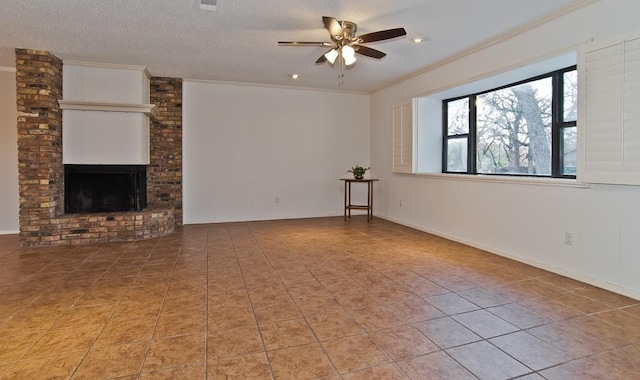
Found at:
<point>404,137</point>
<point>610,85</point>
<point>631,131</point>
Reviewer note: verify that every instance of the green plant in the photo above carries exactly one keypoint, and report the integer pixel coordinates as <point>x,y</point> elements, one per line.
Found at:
<point>358,171</point>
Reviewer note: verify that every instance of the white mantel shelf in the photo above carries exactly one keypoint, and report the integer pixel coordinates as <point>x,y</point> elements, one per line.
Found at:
<point>148,109</point>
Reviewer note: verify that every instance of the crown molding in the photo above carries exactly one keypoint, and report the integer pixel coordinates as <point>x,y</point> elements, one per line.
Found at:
<point>148,109</point>
<point>277,86</point>
<point>493,41</point>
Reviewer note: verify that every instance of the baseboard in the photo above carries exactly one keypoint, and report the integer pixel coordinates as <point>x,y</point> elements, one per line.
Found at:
<point>265,218</point>
<point>10,232</point>
<point>563,272</point>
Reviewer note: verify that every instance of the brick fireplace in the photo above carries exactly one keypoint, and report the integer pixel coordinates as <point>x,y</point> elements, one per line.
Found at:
<point>41,171</point>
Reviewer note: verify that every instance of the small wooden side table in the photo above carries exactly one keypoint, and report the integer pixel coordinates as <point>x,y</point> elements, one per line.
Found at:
<point>347,197</point>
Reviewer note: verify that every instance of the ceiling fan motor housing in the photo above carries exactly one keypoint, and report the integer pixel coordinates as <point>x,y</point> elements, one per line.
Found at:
<point>348,31</point>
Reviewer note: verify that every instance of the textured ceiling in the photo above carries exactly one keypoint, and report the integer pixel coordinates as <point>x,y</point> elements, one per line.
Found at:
<point>238,41</point>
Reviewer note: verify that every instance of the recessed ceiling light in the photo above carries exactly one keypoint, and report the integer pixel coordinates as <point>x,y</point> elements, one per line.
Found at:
<point>208,5</point>
<point>294,76</point>
<point>420,38</point>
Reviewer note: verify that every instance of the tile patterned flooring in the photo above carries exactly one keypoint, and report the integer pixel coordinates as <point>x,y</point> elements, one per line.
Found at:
<point>303,299</point>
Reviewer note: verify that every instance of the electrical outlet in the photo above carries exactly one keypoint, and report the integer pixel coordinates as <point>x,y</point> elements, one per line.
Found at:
<point>568,238</point>
<point>277,199</point>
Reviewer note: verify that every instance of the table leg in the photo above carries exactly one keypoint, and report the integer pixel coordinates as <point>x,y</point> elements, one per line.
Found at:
<point>345,201</point>
<point>369,201</point>
<point>349,200</point>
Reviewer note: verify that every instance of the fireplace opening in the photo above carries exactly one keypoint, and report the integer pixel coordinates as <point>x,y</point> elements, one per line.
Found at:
<point>104,188</point>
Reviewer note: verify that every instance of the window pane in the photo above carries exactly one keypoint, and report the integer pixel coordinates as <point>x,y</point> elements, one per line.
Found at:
<point>569,147</point>
<point>570,101</point>
<point>514,129</point>
<point>457,155</point>
<point>458,117</point>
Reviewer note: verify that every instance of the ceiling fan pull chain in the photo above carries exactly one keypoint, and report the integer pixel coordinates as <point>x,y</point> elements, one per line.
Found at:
<point>340,71</point>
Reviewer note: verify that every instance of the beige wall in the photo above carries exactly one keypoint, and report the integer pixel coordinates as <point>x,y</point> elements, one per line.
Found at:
<point>8,153</point>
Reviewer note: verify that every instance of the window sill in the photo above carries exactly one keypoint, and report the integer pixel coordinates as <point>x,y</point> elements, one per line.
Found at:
<point>558,182</point>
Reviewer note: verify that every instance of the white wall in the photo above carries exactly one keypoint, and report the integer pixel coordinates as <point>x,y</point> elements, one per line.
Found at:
<point>104,136</point>
<point>257,152</point>
<point>9,199</point>
<point>523,221</point>
<point>105,83</point>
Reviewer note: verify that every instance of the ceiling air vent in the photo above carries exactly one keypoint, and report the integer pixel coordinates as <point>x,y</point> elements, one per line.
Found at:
<point>208,5</point>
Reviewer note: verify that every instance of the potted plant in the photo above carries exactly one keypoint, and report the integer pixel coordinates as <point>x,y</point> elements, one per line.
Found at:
<point>358,171</point>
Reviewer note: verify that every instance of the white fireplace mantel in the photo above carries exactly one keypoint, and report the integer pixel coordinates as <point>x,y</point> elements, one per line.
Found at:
<point>148,109</point>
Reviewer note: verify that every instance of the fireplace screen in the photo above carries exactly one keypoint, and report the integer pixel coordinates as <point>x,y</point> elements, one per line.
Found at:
<point>105,188</point>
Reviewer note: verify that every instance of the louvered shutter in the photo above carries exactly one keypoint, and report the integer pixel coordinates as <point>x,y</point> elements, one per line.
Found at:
<point>403,138</point>
<point>611,129</point>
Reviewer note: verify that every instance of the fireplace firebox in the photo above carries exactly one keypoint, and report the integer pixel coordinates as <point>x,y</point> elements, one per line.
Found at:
<point>104,188</point>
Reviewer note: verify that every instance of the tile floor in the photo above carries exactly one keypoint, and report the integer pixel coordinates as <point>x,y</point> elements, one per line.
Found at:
<point>303,299</point>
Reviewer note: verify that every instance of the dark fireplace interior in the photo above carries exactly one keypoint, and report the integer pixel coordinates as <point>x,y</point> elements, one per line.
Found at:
<point>104,188</point>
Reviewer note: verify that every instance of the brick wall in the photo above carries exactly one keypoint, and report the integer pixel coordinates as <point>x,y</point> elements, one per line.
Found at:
<point>41,171</point>
<point>164,175</point>
<point>39,87</point>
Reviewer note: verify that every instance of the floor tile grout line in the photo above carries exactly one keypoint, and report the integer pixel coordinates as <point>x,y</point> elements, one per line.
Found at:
<point>155,324</point>
<point>551,344</point>
<point>304,316</point>
<point>365,332</point>
<point>487,339</point>
<point>264,348</point>
<point>108,319</point>
<point>17,312</point>
<point>206,310</point>
<point>460,364</point>
<point>408,323</point>
<point>52,328</point>
<point>519,330</point>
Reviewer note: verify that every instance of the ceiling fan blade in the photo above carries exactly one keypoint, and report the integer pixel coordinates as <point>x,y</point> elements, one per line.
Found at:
<point>322,59</point>
<point>382,35</point>
<point>332,25</point>
<point>304,43</point>
<point>369,52</point>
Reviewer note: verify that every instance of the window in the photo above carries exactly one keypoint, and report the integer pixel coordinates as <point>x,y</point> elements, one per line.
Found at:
<point>526,128</point>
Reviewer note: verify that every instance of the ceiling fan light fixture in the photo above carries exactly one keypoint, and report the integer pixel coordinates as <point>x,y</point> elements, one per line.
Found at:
<point>349,55</point>
<point>349,60</point>
<point>331,56</point>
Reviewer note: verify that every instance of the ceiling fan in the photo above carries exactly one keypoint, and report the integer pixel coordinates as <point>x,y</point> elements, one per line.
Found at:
<point>344,42</point>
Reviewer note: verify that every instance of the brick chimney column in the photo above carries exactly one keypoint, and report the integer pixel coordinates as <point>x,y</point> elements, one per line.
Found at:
<point>40,168</point>
<point>164,175</point>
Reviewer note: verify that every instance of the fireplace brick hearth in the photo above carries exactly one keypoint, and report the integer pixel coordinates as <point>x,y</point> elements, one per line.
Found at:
<point>41,169</point>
